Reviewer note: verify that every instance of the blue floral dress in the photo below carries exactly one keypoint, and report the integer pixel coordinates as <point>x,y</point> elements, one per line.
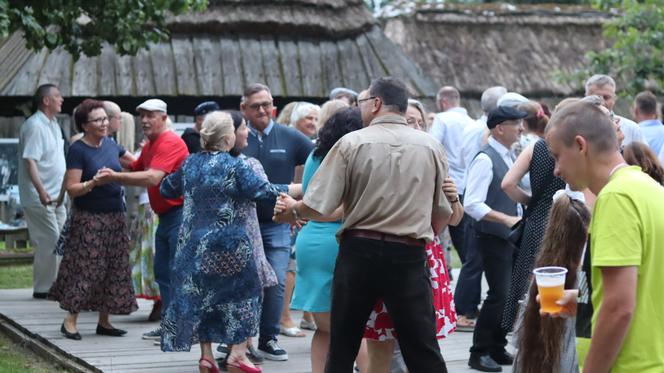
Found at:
<point>214,277</point>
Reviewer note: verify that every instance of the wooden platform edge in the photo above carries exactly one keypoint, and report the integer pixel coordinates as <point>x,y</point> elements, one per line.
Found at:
<point>43,347</point>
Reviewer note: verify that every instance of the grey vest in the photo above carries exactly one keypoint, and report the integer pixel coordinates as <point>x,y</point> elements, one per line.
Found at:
<point>496,197</point>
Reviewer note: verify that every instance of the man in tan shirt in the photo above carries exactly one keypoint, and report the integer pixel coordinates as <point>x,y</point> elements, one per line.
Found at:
<point>388,178</point>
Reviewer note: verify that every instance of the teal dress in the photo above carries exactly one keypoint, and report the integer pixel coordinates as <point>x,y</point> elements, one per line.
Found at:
<point>317,251</point>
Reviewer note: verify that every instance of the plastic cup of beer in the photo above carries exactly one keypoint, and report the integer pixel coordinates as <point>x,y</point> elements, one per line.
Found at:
<point>550,285</point>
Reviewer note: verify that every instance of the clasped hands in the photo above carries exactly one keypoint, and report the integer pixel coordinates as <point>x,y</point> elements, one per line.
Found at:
<point>284,211</point>
<point>104,175</point>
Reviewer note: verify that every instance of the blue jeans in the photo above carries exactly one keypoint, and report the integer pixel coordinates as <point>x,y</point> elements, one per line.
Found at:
<point>165,244</point>
<point>276,242</point>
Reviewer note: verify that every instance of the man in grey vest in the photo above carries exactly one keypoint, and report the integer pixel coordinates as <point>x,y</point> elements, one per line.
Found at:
<point>494,213</point>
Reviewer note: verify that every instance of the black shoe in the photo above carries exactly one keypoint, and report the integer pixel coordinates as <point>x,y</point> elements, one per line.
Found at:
<point>40,295</point>
<point>271,350</point>
<point>483,363</point>
<point>75,336</point>
<point>503,357</point>
<point>110,331</point>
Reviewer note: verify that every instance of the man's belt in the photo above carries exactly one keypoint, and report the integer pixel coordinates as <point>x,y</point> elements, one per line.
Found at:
<point>380,236</point>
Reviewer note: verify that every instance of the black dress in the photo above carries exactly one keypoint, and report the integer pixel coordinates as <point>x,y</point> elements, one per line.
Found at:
<point>544,185</point>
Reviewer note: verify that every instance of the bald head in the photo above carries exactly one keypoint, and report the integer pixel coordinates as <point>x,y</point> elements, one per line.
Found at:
<point>586,120</point>
<point>448,97</point>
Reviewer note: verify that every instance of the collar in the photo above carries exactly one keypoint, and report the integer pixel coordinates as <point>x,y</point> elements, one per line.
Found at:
<point>457,109</point>
<point>389,118</point>
<point>43,117</point>
<point>266,132</point>
<point>500,148</point>
<point>650,123</point>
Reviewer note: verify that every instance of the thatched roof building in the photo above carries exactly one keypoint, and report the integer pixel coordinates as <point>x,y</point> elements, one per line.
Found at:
<point>300,48</point>
<point>475,47</point>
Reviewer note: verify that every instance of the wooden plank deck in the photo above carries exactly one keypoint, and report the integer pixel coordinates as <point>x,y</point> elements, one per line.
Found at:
<point>132,354</point>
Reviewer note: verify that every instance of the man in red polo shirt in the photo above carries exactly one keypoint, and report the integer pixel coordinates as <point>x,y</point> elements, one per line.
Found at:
<point>162,154</point>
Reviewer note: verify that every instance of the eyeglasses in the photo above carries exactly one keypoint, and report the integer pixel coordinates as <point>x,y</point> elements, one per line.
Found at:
<point>98,121</point>
<point>265,105</point>
<point>365,99</point>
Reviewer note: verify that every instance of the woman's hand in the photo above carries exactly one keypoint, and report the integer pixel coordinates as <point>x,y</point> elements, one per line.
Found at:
<point>283,210</point>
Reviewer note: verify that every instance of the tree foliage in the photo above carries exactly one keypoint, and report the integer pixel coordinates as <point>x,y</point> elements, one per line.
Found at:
<point>636,36</point>
<point>82,26</point>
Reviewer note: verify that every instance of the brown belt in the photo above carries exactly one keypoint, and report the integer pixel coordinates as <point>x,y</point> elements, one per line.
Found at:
<point>380,236</point>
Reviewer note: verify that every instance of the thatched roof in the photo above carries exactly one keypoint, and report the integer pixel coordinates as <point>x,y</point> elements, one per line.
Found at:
<point>475,47</point>
<point>301,49</point>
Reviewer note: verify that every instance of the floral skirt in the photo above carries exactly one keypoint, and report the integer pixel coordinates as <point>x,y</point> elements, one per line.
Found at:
<point>94,274</point>
<point>141,257</point>
<point>379,326</point>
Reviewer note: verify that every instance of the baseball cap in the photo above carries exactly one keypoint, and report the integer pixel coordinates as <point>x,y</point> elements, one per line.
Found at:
<point>206,107</point>
<point>502,114</point>
<point>153,104</point>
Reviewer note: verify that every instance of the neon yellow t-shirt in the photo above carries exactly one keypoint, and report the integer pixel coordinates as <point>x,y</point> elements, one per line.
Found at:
<point>627,229</point>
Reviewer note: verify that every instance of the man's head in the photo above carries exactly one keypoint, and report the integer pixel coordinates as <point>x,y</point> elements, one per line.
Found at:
<point>490,96</point>
<point>645,106</point>
<point>344,94</point>
<point>256,105</point>
<point>448,97</point>
<point>201,111</point>
<point>506,124</point>
<point>386,95</point>
<point>48,99</point>
<point>152,114</point>
<point>114,120</point>
<point>603,86</point>
<point>579,135</point>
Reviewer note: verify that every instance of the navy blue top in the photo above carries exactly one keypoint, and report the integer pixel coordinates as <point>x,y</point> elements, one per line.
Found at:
<point>279,150</point>
<point>103,198</point>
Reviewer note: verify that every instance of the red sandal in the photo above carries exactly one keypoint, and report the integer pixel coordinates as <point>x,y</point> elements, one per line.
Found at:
<point>206,365</point>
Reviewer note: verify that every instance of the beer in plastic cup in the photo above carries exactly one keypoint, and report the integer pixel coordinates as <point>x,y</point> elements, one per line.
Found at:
<point>550,285</point>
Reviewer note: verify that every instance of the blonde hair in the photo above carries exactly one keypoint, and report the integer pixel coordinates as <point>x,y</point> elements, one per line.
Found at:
<point>327,111</point>
<point>127,130</point>
<point>217,132</point>
<point>285,115</point>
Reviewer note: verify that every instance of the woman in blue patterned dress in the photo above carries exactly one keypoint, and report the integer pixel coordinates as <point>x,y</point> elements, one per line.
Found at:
<point>216,286</point>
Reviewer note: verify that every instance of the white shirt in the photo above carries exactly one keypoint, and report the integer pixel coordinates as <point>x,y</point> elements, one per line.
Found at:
<point>631,130</point>
<point>448,129</point>
<point>480,175</point>
<point>40,139</point>
<point>472,141</point>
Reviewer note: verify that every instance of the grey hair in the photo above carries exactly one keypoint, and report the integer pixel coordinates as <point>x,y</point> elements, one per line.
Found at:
<point>254,88</point>
<point>217,132</point>
<point>490,97</point>
<point>448,92</point>
<point>301,110</point>
<point>111,108</point>
<point>599,80</point>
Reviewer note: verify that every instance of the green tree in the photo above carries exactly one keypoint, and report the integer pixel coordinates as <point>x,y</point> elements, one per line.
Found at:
<point>82,26</point>
<point>636,36</point>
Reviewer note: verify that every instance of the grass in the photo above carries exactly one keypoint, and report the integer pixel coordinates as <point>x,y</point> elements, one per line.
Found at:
<point>15,277</point>
<point>15,358</point>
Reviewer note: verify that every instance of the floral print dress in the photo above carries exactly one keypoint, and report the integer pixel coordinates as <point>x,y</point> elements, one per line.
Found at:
<point>214,276</point>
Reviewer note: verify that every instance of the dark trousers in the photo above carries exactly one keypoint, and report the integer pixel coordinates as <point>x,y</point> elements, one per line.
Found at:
<point>468,291</point>
<point>367,270</point>
<point>496,253</point>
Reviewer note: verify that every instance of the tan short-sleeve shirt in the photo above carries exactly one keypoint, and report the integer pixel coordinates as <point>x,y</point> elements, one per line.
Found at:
<point>387,176</point>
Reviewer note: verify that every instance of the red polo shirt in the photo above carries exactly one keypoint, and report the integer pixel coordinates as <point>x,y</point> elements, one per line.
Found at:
<point>164,154</point>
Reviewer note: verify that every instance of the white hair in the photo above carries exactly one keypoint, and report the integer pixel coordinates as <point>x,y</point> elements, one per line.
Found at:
<point>599,80</point>
<point>490,97</point>
<point>301,110</point>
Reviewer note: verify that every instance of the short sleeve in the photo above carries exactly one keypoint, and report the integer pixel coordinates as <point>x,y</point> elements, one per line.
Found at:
<point>326,189</point>
<point>75,157</point>
<point>137,165</point>
<point>304,147</point>
<point>33,142</point>
<point>169,155</point>
<point>616,232</point>
<point>121,150</point>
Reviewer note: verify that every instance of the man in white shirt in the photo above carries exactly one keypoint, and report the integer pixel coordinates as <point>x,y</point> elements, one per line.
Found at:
<point>494,213</point>
<point>645,113</point>
<point>605,87</point>
<point>41,169</point>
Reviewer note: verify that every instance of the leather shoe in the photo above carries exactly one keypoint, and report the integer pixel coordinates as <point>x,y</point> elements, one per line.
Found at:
<point>483,363</point>
<point>110,331</point>
<point>40,295</point>
<point>503,357</point>
<point>75,336</point>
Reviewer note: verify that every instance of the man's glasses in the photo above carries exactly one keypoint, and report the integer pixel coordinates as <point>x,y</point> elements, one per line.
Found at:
<point>365,99</point>
<point>265,105</point>
<point>98,121</point>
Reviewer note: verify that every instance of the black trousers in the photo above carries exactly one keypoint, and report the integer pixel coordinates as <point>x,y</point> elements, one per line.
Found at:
<point>497,254</point>
<point>367,270</point>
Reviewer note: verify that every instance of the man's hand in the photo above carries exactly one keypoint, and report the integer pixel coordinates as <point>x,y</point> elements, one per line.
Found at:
<point>511,220</point>
<point>45,198</point>
<point>567,302</point>
<point>104,176</point>
<point>283,210</point>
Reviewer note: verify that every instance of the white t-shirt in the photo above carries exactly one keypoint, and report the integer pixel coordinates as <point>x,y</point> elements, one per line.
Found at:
<point>41,140</point>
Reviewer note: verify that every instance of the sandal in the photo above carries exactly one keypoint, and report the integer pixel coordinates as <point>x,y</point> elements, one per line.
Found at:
<point>464,324</point>
<point>293,331</point>
<point>310,325</point>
